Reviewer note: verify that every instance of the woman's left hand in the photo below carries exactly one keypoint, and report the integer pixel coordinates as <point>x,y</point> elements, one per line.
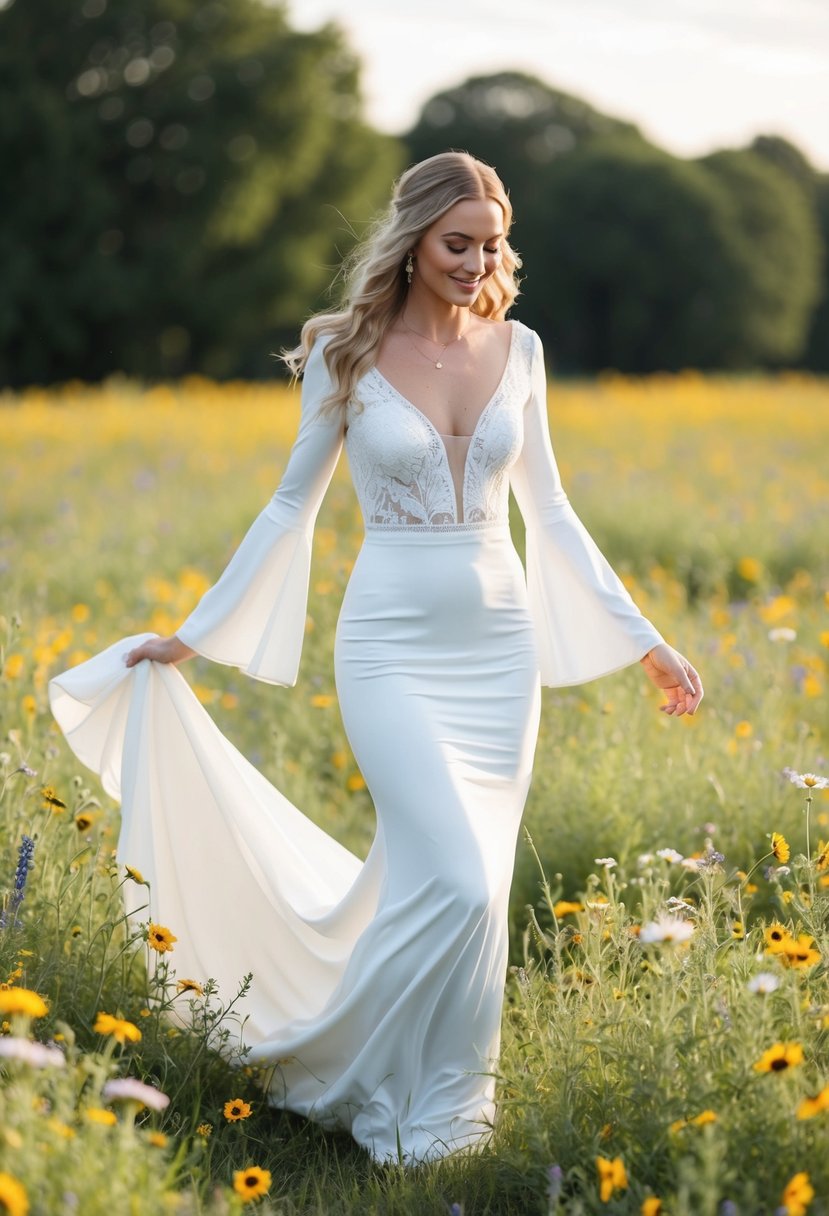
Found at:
<point>671,671</point>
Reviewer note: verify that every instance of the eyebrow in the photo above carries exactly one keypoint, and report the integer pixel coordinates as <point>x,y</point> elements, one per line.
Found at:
<point>466,237</point>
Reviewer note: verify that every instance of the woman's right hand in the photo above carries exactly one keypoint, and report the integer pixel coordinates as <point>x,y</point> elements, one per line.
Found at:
<point>159,650</point>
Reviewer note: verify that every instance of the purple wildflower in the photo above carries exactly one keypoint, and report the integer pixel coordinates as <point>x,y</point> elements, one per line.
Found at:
<point>25,862</point>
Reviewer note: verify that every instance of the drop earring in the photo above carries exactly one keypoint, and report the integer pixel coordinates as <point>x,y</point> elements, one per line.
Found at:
<point>409,269</point>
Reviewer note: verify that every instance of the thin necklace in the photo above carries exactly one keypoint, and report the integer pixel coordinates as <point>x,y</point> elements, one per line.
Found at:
<point>435,363</point>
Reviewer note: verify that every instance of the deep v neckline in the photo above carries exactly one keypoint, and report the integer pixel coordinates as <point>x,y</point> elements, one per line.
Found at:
<point>486,408</point>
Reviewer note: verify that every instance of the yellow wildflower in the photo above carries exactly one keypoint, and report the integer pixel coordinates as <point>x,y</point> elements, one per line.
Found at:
<point>612,1177</point>
<point>189,986</point>
<point>160,938</point>
<point>96,1114</point>
<point>813,1105</point>
<point>51,801</point>
<point>251,1183</point>
<point>566,907</point>
<point>780,1057</point>
<point>118,1029</point>
<point>780,847</point>
<point>651,1206</point>
<point>236,1109</point>
<point>13,1197</point>
<point>24,1001</point>
<point>798,1194</point>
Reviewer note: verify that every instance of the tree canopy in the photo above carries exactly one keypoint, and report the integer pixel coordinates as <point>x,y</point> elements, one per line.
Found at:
<point>175,186</point>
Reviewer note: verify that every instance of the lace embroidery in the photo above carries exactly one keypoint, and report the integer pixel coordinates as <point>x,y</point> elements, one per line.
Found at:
<point>400,465</point>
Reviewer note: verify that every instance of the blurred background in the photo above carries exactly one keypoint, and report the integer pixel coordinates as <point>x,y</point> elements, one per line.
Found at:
<point>180,179</point>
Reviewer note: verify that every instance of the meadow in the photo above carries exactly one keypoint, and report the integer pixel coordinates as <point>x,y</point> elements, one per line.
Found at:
<point>666,1021</point>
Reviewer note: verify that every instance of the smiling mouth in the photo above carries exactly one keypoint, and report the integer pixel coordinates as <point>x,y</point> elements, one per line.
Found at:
<point>466,282</point>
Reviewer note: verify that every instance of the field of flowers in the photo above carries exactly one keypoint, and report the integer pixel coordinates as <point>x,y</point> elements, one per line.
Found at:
<point>666,1025</point>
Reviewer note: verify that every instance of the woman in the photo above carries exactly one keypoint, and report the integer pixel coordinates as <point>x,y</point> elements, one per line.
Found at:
<point>378,985</point>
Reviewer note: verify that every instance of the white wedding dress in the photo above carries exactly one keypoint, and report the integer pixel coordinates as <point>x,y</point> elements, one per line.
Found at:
<point>377,985</point>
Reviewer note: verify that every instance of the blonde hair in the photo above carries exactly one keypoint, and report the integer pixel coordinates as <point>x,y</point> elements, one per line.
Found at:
<point>374,280</point>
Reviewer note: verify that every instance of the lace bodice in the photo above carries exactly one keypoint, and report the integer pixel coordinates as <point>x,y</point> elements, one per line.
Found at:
<point>408,475</point>
<point>408,479</point>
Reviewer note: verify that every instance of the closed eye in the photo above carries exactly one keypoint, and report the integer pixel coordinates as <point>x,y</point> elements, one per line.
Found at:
<point>452,249</point>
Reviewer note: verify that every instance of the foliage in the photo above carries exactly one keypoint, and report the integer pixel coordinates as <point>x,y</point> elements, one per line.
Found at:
<point>173,176</point>
<point>635,259</point>
<point>618,1044</point>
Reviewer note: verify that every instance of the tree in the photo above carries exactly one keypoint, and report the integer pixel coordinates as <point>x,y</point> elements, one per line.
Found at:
<point>178,180</point>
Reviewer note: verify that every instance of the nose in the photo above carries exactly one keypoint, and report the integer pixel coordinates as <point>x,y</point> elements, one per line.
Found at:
<point>473,263</point>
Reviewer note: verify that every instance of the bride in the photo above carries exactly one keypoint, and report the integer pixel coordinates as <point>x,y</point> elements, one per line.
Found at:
<point>378,985</point>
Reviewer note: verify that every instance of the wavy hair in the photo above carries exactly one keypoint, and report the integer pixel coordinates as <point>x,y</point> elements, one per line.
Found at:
<point>374,282</point>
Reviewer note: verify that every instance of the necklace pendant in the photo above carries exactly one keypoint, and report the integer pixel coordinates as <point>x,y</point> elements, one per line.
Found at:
<point>438,366</point>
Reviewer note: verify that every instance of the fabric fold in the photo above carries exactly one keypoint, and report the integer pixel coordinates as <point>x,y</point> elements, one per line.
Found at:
<point>245,881</point>
<point>586,622</point>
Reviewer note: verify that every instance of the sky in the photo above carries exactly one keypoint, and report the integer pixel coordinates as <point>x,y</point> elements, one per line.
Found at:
<point>694,75</point>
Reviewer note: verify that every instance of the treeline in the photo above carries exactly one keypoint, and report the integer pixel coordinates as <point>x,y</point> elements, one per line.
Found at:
<point>179,181</point>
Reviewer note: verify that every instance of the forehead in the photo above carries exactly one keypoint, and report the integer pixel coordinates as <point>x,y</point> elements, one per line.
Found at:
<point>477,217</point>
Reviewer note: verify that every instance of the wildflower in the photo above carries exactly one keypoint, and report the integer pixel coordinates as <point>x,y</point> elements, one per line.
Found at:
<point>37,1055</point>
<point>750,569</point>
<point>744,730</point>
<point>612,1177</point>
<point>780,847</point>
<point>160,938</point>
<point>814,1105</point>
<point>565,908</point>
<point>61,1129</point>
<point>23,1000</point>
<point>252,1182</point>
<point>129,1089</point>
<point>355,782</point>
<point>780,1057</point>
<point>13,1197</point>
<point>205,1130</point>
<point>51,801</point>
<point>799,953</point>
<point>782,634</point>
<point>157,1139</point>
<point>25,862</point>
<point>645,859</point>
<point>83,821</point>
<point>651,1206</point>
<point>666,929</point>
<point>797,1195</point>
<point>555,1178</point>
<point>136,876</point>
<point>322,700</point>
<point>669,855</point>
<point>776,936</point>
<point>763,983</point>
<point>96,1114</point>
<point>705,1116</point>
<point>29,705</point>
<point>822,855</point>
<point>118,1029</point>
<point>13,667</point>
<point>806,781</point>
<point>607,862</point>
<point>189,986</point>
<point>236,1109</point>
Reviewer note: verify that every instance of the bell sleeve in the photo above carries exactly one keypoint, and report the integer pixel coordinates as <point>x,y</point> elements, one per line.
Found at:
<point>254,616</point>
<point>585,621</point>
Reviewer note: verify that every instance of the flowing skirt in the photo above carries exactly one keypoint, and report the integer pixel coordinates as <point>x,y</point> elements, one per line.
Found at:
<point>378,985</point>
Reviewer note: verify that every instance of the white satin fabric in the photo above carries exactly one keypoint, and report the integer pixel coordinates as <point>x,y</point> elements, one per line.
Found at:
<point>378,985</point>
